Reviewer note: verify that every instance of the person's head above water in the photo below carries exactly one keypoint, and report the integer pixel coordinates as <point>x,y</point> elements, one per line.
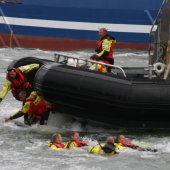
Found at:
<point>75,136</point>
<point>109,147</point>
<point>122,139</point>
<point>56,138</point>
<point>110,139</point>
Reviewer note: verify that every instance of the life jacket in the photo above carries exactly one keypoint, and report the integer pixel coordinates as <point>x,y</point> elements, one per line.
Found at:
<point>74,144</point>
<point>37,110</point>
<point>119,146</point>
<point>97,150</point>
<point>56,146</point>
<point>129,145</point>
<point>102,68</point>
<point>99,67</point>
<point>20,83</point>
<point>100,45</point>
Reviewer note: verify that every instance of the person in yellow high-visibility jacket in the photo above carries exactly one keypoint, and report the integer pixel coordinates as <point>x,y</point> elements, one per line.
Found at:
<point>75,141</point>
<point>107,148</point>
<point>16,81</point>
<point>56,142</point>
<point>104,50</point>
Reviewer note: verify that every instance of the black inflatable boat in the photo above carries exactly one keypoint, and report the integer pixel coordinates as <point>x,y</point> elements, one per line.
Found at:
<point>121,100</point>
<point>131,101</point>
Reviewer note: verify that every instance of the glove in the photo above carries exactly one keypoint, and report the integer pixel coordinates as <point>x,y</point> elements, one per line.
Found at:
<point>97,50</point>
<point>94,57</point>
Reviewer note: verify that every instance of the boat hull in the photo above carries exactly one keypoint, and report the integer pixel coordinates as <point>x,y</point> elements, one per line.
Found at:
<point>47,43</point>
<point>59,24</point>
<point>89,96</point>
<point>105,98</point>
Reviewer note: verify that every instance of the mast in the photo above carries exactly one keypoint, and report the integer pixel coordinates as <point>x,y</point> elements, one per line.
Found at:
<point>160,35</point>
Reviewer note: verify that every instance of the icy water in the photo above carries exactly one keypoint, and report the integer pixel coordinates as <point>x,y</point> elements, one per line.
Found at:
<point>25,148</point>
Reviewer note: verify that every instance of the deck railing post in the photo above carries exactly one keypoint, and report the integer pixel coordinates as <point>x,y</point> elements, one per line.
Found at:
<point>150,71</point>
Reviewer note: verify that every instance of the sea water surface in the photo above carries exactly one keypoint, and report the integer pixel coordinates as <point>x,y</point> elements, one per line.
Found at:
<point>25,148</point>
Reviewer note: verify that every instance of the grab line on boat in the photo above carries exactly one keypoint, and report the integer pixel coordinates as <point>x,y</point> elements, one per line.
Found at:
<point>57,58</point>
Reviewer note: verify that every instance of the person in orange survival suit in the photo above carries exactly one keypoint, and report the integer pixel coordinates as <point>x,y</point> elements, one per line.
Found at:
<point>34,109</point>
<point>104,50</point>
<point>16,81</point>
<point>75,141</point>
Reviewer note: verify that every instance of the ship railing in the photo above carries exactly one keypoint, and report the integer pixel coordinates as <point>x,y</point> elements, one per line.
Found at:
<point>60,58</point>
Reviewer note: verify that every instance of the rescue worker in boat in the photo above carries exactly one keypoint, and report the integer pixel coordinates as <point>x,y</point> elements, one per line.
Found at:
<point>56,142</point>
<point>122,141</point>
<point>104,50</point>
<point>16,80</point>
<point>75,141</point>
<point>107,148</point>
<point>34,109</point>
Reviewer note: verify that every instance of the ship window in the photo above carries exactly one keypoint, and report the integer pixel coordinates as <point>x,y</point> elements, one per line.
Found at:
<point>11,1</point>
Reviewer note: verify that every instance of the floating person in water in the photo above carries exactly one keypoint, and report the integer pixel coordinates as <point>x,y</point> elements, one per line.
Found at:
<point>122,141</point>
<point>16,80</point>
<point>107,148</point>
<point>75,141</point>
<point>104,50</point>
<point>34,109</point>
<point>56,142</point>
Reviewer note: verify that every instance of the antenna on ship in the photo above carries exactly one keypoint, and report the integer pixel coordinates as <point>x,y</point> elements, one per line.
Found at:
<point>12,35</point>
<point>159,59</point>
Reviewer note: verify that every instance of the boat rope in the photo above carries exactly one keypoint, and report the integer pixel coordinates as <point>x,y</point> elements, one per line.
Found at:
<point>10,42</point>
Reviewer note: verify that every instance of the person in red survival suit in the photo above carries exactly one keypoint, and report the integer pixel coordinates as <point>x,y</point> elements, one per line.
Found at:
<point>34,109</point>
<point>126,143</point>
<point>104,49</point>
<point>123,141</point>
<point>16,81</point>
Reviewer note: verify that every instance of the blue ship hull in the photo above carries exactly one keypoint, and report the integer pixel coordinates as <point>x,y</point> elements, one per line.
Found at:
<point>73,24</point>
